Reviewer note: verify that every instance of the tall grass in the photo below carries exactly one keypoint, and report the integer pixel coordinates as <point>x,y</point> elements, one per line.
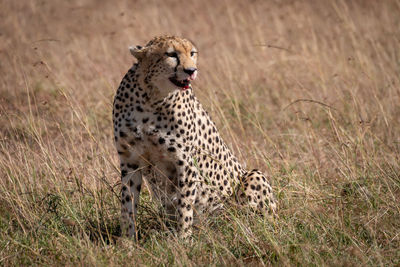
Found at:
<point>306,91</point>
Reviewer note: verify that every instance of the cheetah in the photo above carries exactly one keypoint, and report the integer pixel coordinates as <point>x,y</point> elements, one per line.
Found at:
<point>163,134</point>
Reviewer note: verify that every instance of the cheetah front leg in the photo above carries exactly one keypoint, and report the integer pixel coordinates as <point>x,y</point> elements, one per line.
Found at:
<point>187,182</point>
<point>131,179</point>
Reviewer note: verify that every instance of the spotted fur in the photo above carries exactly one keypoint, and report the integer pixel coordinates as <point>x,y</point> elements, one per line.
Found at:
<point>163,133</point>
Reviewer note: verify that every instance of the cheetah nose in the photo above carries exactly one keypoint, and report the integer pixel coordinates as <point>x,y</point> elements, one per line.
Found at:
<point>190,71</point>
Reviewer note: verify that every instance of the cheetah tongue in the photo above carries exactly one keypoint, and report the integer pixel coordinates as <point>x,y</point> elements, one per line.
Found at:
<point>186,84</point>
<point>183,84</point>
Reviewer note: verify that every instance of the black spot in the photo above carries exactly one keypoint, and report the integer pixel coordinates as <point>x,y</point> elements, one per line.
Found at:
<point>171,149</point>
<point>161,140</point>
<point>133,166</point>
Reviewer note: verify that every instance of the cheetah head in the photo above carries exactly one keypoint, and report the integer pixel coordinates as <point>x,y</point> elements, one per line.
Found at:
<point>168,63</point>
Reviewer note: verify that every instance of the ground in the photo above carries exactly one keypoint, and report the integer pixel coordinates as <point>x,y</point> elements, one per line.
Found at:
<point>306,91</point>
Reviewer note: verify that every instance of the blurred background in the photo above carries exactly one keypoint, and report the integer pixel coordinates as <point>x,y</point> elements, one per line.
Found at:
<point>307,91</point>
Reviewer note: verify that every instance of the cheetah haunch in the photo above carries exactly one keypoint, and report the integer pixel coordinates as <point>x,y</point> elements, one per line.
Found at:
<point>163,133</point>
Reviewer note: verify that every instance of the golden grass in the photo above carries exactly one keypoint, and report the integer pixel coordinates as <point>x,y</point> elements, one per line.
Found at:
<point>306,91</point>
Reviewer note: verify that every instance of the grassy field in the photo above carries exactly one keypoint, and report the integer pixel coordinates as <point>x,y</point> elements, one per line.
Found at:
<point>307,91</point>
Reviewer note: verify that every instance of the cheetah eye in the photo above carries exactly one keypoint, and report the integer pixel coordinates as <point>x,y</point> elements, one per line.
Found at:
<point>192,53</point>
<point>172,54</point>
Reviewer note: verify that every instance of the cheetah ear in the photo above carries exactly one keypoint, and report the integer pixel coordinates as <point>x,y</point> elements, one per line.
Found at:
<point>137,51</point>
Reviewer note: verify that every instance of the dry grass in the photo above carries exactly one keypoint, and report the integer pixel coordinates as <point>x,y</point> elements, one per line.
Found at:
<point>306,91</point>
